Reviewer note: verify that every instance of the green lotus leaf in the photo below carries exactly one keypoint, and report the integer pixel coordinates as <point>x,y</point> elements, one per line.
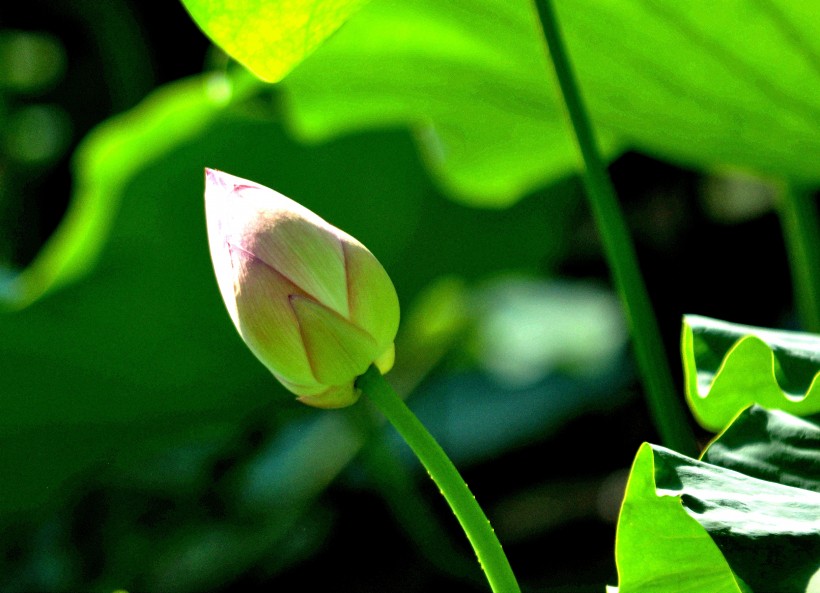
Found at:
<point>717,528</point>
<point>700,83</point>
<point>270,37</point>
<point>728,367</point>
<point>472,80</point>
<point>659,545</point>
<point>778,547</point>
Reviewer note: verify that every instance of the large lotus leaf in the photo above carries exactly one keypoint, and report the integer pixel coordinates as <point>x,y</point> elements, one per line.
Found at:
<point>471,78</point>
<point>693,523</point>
<point>270,37</point>
<point>729,366</point>
<point>704,84</point>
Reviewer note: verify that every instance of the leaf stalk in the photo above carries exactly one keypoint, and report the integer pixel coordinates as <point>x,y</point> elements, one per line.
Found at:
<point>666,409</point>
<point>801,232</point>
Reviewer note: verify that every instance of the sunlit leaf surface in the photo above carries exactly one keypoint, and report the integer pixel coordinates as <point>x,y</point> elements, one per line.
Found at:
<point>270,37</point>
<point>704,84</point>
<point>659,546</point>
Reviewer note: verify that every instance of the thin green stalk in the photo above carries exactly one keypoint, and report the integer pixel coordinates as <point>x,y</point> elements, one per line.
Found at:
<point>399,491</point>
<point>665,407</point>
<point>473,520</point>
<point>801,232</point>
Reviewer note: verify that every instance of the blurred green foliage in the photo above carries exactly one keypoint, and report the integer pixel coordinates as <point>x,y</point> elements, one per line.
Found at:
<point>142,444</point>
<point>151,342</point>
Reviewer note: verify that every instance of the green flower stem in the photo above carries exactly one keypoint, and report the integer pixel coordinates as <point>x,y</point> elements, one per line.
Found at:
<point>400,493</point>
<point>473,520</point>
<point>667,410</point>
<point>801,232</point>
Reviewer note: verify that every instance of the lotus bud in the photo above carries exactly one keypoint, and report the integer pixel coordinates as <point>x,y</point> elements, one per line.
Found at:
<point>310,301</point>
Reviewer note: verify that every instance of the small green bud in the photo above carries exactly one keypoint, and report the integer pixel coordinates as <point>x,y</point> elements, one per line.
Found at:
<point>310,301</point>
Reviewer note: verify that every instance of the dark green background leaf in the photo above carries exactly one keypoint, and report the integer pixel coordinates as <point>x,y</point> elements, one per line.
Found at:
<point>140,347</point>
